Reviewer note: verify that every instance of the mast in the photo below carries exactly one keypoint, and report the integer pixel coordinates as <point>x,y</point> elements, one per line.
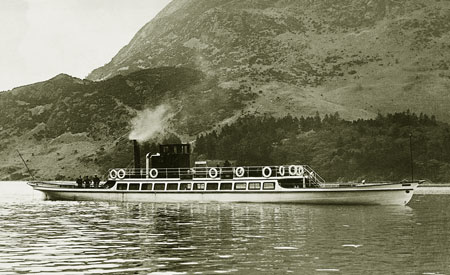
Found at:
<point>411,156</point>
<point>29,171</point>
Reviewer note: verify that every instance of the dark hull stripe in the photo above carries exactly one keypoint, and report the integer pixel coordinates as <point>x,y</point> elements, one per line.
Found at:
<point>222,192</point>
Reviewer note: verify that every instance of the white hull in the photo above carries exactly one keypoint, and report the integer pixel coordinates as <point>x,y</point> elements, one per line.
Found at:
<point>382,194</point>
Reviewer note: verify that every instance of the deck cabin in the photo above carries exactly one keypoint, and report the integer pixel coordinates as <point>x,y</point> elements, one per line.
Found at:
<point>214,178</point>
<point>169,170</point>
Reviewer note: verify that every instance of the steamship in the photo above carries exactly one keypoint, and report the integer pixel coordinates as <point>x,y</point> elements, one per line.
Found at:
<point>169,177</point>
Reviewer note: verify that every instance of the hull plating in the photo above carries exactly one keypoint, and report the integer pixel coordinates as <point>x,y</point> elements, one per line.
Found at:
<point>376,195</point>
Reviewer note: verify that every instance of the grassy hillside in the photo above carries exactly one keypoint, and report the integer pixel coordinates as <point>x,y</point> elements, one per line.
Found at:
<point>66,125</point>
<point>210,62</point>
<point>358,58</point>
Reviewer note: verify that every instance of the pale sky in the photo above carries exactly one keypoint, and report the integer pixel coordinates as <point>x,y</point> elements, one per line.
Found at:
<point>42,38</point>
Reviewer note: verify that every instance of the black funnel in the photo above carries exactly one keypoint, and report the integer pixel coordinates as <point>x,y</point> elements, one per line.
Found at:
<point>137,155</point>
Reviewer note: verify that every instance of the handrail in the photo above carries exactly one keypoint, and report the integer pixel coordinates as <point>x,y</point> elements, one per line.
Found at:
<point>314,176</point>
<point>303,171</point>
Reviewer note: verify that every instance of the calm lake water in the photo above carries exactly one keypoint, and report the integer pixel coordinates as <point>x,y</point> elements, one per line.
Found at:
<point>56,237</point>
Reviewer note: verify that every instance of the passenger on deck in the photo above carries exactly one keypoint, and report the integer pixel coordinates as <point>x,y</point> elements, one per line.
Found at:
<point>226,164</point>
<point>87,182</point>
<point>96,181</point>
<point>79,182</point>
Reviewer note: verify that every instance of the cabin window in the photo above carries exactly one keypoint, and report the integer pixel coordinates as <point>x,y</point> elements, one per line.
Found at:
<point>134,186</point>
<point>146,186</point>
<point>160,186</point>
<point>291,183</point>
<point>172,186</point>
<point>109,184</point>
<point>185,186</point>
<point>212,186</point>
<point>254,186</point>
<point>199,186</point>
<point>226,186</point>
<point>269,186</point>
<point>122,186</point>
<point>240,186</point>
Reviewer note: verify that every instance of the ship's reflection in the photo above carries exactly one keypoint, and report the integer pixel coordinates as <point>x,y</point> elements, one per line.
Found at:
<point>218,236</point>
<point>194,237</point>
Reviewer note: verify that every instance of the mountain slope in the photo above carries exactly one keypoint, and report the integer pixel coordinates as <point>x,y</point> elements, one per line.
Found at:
<point>67,122</point>
<point>355,57</point>
<point>212,61</point>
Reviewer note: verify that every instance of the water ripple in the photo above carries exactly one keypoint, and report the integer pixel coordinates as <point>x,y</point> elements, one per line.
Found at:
<point>50,237</point>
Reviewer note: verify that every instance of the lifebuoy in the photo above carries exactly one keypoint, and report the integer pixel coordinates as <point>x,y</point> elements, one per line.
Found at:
<point>300,170</point>
<point>113,174</point>
<point>266,175</point>
<point>153,173</point>
<point>121,174</point>
<point>240,171</point>
<point>213,173</point>
<point>281,170</point>
<point>292,170</point>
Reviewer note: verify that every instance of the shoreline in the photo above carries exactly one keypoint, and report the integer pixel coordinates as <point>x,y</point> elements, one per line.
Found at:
<point>434,185</point>
<point>433,189</point>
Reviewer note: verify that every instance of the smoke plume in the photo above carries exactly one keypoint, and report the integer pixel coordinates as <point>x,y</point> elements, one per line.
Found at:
<point>150,123</point>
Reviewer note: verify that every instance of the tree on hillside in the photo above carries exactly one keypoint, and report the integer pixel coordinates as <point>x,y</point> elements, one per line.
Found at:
<point>373,149</point>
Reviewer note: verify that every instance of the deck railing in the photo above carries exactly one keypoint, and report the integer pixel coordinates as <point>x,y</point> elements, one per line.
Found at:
<point>212,173</point>
<point>315,178</point>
